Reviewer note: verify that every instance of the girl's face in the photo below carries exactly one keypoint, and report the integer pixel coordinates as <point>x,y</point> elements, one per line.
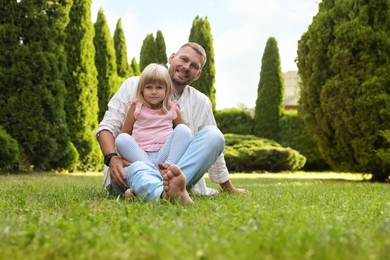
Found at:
<point>154,94</point>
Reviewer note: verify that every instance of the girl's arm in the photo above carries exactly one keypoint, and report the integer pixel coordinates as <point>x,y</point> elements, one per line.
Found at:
<point>179,119</point>
<point>129,122</point>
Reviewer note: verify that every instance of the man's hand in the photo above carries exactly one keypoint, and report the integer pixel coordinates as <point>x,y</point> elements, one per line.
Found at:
<point>228,186</point>
<point>117,173</point>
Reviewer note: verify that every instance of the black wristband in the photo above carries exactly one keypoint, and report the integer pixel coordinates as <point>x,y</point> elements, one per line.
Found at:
<point>107,158</point>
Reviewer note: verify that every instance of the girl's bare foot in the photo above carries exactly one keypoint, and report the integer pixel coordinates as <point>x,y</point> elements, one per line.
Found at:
<point>174,182</point>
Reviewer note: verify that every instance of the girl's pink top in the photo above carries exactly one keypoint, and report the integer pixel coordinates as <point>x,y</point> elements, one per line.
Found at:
<point>152,128</point>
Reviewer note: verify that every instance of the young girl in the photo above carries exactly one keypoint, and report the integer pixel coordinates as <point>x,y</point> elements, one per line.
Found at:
<point>154,129</point>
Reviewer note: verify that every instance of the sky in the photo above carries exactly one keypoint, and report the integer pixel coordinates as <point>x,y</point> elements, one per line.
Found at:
<point>240,30</point>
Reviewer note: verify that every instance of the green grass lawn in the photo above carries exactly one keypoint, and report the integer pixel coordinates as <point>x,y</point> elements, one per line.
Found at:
<point>286,216</point>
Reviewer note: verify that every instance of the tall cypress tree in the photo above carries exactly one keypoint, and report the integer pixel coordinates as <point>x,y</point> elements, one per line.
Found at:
<point>161,50</point>
<point>105,61</point>
<point>122,63</point>
<point>201,34</point>
<point>153,50</point>
<point>135,67</point>
<point>32,61</point>
<point>148,52</point>
<point>343,61</point>
<point>269,102</point>
<point>81,83</point>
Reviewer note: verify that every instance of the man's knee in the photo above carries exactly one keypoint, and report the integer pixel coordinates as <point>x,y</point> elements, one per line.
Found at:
<point>212,132</point>
<point>214,137</point>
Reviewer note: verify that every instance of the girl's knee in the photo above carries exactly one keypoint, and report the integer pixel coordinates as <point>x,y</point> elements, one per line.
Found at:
<point>184,130</point>
<point>122,139</point>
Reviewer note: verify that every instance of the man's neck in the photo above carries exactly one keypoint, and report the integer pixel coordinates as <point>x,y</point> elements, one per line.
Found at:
<point>179,89</point>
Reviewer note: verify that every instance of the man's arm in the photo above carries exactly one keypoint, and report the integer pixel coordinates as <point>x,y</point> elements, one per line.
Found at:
<point>107,145</point>
<point>111,126</point>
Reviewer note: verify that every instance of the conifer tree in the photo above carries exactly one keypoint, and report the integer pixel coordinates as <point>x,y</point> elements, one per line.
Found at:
<point>270,92</point>
<point>343,62</point>
<point>32,61</point>
<point>135,67</point>
<point>148,52</point>
<point>81,83</point>
<point>201,34</point>
<point>153,50</point>
<point>161,50</point>
<point>122,63</point>
<point>105,61</point>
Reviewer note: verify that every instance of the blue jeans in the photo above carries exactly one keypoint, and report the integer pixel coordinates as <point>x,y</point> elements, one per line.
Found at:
<point>145,179</point>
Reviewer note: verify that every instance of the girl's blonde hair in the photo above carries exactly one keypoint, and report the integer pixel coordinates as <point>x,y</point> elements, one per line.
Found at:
<point>156,73</point>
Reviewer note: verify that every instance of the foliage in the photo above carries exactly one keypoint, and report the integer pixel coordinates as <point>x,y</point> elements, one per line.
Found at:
<point>201,34</point>
<point>105,61</point>
<point>81,80</point>
<point>153,50</point>
<point>234,120</point>
<point>9,151</point>
<point>233,139</point>
<point>269,102</point>
<point>148,51</point>
<point>135,67</point>
<point>301,217</point>
<point>122,62</point>
<point>260,155</point>
<point>294,134</point>
<point>343,62</point>
<point>32,63</point>
<point>161,50</point>
<point>384,154</point>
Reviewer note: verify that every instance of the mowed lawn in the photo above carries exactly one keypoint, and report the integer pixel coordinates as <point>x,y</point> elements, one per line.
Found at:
<point>286,216</point>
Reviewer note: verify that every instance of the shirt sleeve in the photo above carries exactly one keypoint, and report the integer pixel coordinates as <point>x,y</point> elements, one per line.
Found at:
<point>203,116</point>
<point>218,172</point>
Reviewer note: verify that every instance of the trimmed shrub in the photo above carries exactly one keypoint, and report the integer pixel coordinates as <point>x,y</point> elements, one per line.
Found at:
<point>250,153</point>
<point>9,151</point>
<point>233,139</point>
<point>294,134</point>
<point>234,120</point>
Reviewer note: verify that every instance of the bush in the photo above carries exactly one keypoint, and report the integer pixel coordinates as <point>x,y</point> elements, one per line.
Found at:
<point>234,120</point>
<point>9,151</point>
<point>250,153</point>
<point>293,134</point>
<point>233,139</point>
<point>384,154</point>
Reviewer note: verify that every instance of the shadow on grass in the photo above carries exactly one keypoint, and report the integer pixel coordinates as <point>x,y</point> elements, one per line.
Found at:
<point>303,177</point>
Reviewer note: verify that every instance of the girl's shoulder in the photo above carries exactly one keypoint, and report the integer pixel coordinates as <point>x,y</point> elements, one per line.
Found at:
<point>136,105</point>
<point>134,102</point>
<point>173,103</point>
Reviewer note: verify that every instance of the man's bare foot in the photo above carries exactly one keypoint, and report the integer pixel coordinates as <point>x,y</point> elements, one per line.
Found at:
<point>163,168</point>
<point>174,182</point>
<point>128,195</point>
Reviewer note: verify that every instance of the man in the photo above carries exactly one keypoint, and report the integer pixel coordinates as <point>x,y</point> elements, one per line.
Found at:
<point>204,153</point>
